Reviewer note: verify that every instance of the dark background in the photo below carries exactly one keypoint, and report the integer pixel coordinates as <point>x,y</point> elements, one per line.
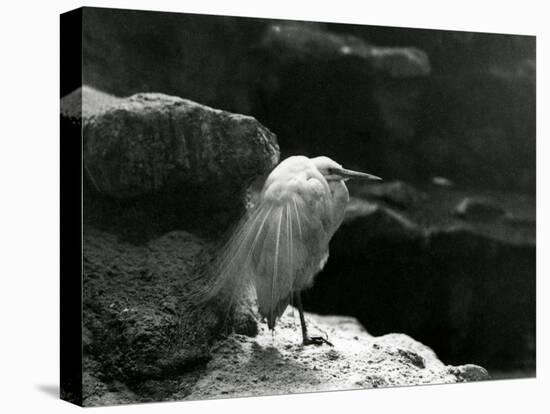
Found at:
<point>405,104</point>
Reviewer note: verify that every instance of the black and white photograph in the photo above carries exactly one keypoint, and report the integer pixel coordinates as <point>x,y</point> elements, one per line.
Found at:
<point>275,207</point>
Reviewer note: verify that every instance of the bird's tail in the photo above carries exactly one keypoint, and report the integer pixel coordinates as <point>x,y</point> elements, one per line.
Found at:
<point>263,256</point>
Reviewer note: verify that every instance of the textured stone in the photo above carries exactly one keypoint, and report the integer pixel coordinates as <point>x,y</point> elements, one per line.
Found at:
<point>148,142</point>
<point>465,287</point>
<point>457,105</point>
<point>143,316</point>
<point>137,305</point>
<point>155,163</point>
<point>336,94</point>
<point>278,364</point>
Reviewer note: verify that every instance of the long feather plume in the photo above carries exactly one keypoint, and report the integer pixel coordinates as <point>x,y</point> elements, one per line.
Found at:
<point>273,251</point>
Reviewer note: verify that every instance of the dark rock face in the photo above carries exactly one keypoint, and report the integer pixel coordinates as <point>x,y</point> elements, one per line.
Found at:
<point>136,305</point>
<point>337,94</point>
<point>479,129</point>
<point>478,209</point>
<point>306,43</point>
<point>464,287</point>
<point>404,103</point>
<point>396,193</point>
<point>389,110</point>
<point>203,58</point>
<point>476,119</point>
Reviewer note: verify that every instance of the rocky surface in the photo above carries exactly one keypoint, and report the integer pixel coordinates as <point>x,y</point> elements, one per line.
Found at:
<point>404,103</point>
<point>389,110</point>
<point>312,43</point>
<point>396,193</point>
<point>150,142</point>
<point>478,209</point>
<point>155,162</point>
<point>476,272</point>
<point>279,364</point>
<point>134,299</point>
<point>145,159</point>
<point>147,338</point>
<point>339,94</point>
<point>86,102</point>
<point>143,320</point>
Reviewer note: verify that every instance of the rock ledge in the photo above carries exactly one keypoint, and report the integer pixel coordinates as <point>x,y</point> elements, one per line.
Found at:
<point>279,364</point>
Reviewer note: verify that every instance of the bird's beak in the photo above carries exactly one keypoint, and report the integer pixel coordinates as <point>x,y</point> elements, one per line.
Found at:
<point>347,174</point>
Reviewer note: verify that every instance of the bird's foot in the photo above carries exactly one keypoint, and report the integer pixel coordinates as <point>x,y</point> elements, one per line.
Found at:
<point>316,340</point>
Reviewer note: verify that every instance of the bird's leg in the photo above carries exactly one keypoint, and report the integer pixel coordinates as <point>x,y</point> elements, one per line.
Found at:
<point>307,340</point>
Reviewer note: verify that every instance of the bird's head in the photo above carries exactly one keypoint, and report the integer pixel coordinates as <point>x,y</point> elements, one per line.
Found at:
<point>332,171</point>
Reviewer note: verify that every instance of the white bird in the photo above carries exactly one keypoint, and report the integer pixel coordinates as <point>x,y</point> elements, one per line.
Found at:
<point>283,241</point>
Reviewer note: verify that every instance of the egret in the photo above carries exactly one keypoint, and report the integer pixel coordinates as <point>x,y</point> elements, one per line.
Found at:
<point>278,248</point>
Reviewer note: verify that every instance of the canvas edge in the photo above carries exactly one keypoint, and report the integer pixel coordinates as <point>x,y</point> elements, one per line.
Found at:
<point>71,214</point>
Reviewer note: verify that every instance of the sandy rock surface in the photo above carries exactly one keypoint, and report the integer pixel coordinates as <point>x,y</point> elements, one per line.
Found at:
<point>279,364</point>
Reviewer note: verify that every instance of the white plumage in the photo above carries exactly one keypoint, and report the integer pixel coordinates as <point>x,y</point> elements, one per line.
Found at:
<point>282,243</point>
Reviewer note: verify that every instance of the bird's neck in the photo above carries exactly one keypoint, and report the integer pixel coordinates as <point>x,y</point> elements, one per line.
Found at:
<point>340,199</point>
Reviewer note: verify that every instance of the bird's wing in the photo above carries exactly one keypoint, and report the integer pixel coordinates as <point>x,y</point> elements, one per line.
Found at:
<point>277,244</point>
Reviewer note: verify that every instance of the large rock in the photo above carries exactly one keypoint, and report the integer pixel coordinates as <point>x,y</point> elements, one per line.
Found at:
<point>165,159</point>
<point>149,142</point>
